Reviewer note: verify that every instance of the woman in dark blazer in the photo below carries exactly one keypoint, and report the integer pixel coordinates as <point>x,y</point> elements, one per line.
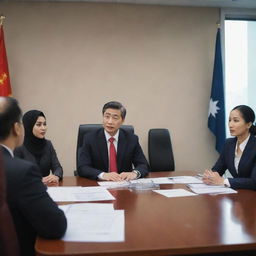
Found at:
<point>37,149</point>
<point>239,153</point>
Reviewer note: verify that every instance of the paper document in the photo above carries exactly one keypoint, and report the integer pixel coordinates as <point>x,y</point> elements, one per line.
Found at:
<point>185,179</point>
<point>94,223</point>
<point>114,184</point>
<point>75,194</point>
<point>160,180</point>
<point>174,192</point>
<point>87,207</point>
<point>210,189</point>
<point>128,184</point>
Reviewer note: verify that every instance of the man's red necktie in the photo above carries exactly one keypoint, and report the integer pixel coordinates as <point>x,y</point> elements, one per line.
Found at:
<point>112,156</point>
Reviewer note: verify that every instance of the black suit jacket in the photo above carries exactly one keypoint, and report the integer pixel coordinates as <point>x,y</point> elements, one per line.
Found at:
<point>245,178</point>
<point>33,211</point>
<point>93,156</point>
<point>48,162</point>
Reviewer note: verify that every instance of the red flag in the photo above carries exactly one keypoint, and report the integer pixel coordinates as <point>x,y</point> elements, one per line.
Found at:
<point>5,86</point>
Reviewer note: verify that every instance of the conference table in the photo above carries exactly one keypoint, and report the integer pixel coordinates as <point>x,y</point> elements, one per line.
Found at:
<point>158,225</point>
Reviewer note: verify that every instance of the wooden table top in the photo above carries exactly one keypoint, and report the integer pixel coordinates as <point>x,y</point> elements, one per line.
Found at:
<point>157,225</point>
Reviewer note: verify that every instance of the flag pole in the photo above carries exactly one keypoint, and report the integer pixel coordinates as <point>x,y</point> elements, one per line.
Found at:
<point>2,17</point>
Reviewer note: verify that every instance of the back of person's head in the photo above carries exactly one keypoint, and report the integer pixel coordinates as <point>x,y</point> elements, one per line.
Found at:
<point>10,113</point>
<point>115,105</point>
<point>248,116</point>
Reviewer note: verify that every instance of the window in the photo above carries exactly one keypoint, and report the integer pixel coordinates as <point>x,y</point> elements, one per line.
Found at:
<point>239,62</point>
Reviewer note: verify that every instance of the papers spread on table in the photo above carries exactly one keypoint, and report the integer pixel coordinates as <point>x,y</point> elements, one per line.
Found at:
<point>185,179</point>
<point>210,189</point>
<point>114,184</point>
<point>174,192</point>
<point>79,194</point>
<point>140,184</point>
<point>93,223</point>
<point>160,180</point>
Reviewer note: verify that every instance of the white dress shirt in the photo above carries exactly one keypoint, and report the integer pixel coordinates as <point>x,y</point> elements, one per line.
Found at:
<point>237,157</point>
<point>9,150</point>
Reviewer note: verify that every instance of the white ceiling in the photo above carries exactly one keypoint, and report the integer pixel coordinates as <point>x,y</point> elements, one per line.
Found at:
<point>203,3</point>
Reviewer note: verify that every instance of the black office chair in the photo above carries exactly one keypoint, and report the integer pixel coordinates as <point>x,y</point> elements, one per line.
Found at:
<point>160,152</point>
<point>85,128</point>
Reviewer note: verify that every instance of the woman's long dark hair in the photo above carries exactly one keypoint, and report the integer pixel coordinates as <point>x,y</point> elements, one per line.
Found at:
<point>248,116</point>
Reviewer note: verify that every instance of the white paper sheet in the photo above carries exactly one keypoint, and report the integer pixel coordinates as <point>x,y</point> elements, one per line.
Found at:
<point>87,207</point>
<point>174,192</point>
<point>160,180</point>
<point>94,223</point>
<point>210,189</point>
<point>203,185</point>
<point>79,194</point>
<point>185,179</point>
<point>114,184</point>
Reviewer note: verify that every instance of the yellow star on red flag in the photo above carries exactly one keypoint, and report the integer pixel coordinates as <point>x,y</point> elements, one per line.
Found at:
<point>5,85</point>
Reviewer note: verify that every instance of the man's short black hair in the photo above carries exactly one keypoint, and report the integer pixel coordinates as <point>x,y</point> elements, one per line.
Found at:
<point>10,113</point>
<point>115,105</point>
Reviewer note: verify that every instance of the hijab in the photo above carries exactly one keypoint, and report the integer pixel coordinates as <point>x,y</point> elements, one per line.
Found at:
<point>33,144</point>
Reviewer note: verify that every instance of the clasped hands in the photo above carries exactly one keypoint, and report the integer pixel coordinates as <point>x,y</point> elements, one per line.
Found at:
<point>51,180</point>
<point>113,176</point>
<point>212,178</point>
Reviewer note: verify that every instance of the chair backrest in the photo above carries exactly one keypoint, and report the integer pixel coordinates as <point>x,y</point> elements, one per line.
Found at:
<point>160,152</point>
<point>8,238</point>
<point>86,128</point>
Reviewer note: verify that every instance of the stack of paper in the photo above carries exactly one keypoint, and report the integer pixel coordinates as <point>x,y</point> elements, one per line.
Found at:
<point>79,194</point>
<point>159,180</point>
<point>185,179</point>
<point>114,184</point>
<point>210,189</point>
<point>93,223</point>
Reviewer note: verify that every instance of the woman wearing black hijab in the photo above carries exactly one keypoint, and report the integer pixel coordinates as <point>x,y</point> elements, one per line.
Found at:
<point>37,149</point>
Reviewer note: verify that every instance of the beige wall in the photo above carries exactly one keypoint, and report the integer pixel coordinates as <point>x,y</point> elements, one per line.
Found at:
<point>68,59</point>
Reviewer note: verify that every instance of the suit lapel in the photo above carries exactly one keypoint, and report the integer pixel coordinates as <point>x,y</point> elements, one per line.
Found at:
<point>246,153</point>
<point>121,149</point>
<point>102,146</point>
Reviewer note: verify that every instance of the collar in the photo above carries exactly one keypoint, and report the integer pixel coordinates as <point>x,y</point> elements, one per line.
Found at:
<point>108,136</point>
<point>243,144</point>
<point>8,149</point>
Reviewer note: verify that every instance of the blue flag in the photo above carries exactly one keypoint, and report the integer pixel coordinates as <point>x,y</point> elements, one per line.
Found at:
<point>216,115</point>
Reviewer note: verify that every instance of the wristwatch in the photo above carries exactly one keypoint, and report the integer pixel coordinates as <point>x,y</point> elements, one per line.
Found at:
<point>137,173</point>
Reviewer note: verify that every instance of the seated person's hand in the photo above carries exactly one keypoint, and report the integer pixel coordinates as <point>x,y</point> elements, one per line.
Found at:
<point>128,176</point>
<point>51,179</point>
<point>111,176</point>
<point>212,178</point>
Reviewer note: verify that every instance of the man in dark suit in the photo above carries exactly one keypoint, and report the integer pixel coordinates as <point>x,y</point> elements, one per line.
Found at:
<point>33,211</point>
<point>111,153</point>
